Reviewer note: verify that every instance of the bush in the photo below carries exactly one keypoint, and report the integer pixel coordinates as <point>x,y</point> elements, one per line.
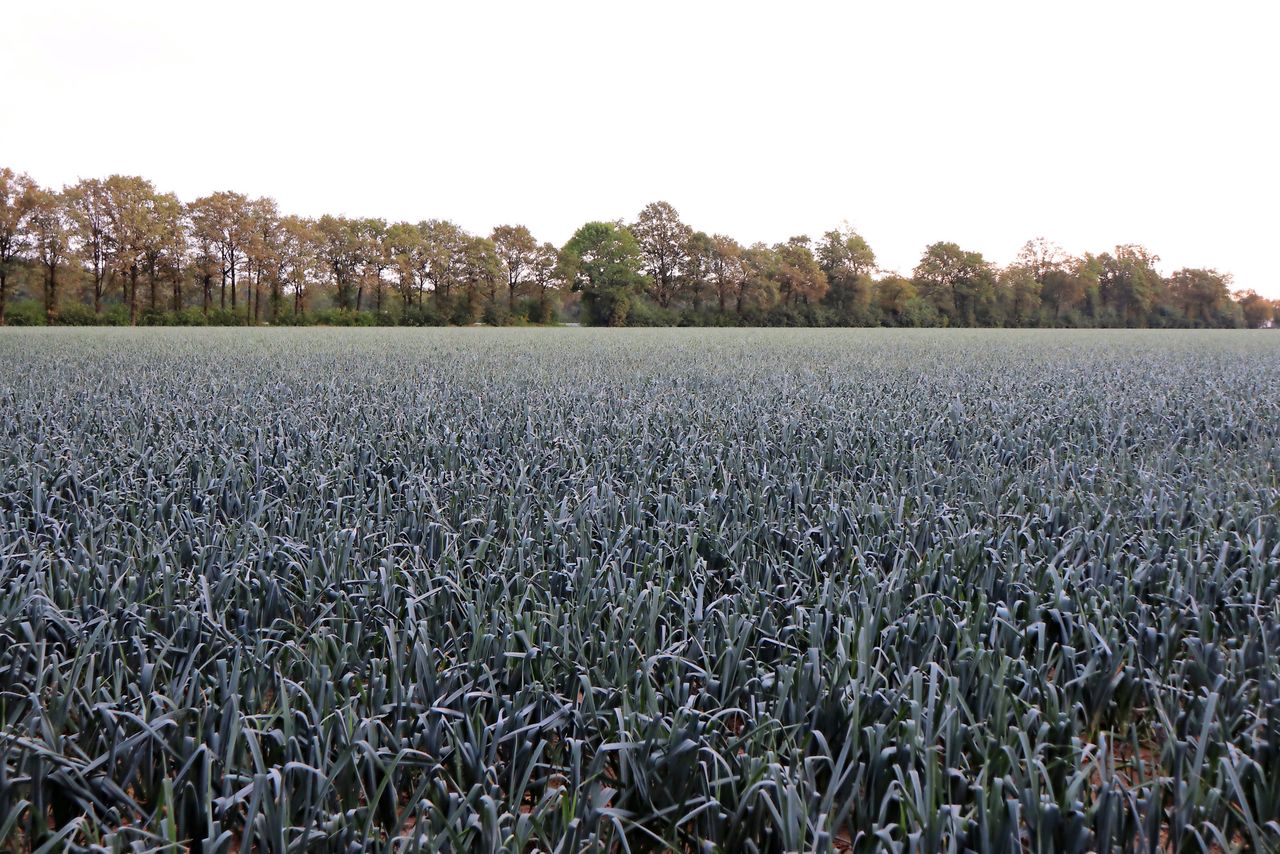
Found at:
<point>799,315</point>
<point>188,317</point>
<point>421,315</point>
<point>154,317</point>
<point>343,317</point>
<point>645,313</point>
<point>226,317</point>
<point>542,311</point>
<point>78,314</point>
<point>920,312</point>
<point>114,315</point>
<point>495,314</point>
<point>608,307</point>
<point>25,312</point>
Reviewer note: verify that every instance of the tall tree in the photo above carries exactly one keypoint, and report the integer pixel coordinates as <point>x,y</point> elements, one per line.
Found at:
<point>262,256</point>
<point>1066,289</point>
<point>726,272</point>
<point>1128,283</point>
<point>664,243</point>
<point>760,284</point>
<point>89,205</point>
<point>1021,293</point>
<point>518,251</point>
<point>444,248</point>
<point>51,236</point>
<point>602,261</point>
<point>205,266</point>
<point>544,273</point>
<point>409,261</point>
<point>299,259</point>
<point>1200,294</point>
<point>224,220</point>
<point>848,262</point>
<point>131,221</point>
<point>797,272</point>
<point>340,253</point>
<point>17,200</point>
<point>482,274</point>
<point>161,246</point>
<point>896,297</point>
<point>961,284</point>
<point>695,277</point>
<point>1042,257</point>
<point>375,259</point>
<point>1258,311</point>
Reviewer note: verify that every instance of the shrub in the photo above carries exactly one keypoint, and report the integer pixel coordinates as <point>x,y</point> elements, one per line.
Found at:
<point>26,312</point>
<point>78,314</point>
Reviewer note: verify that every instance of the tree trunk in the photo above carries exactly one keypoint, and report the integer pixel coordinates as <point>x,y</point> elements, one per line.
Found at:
<point>133,295</point>
<point>97,283</point>
<point>51,295</point>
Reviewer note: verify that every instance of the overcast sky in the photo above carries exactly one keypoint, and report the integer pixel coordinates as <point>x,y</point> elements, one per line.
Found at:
<point>1091,123</point>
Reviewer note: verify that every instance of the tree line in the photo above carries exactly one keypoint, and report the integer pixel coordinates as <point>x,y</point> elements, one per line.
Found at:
<point>118,251</point>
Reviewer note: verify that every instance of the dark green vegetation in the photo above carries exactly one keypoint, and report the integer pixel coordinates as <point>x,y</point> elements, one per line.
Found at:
<point>585,590</point>
<point>115,251</point>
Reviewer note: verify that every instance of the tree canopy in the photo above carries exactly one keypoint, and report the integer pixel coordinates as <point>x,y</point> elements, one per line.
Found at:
<point>119,250</point>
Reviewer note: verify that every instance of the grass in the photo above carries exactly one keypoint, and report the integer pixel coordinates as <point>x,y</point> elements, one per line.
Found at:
<point>573,589</point>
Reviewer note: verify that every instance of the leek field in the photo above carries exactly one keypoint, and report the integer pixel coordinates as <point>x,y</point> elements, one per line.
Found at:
<point>639,590</point>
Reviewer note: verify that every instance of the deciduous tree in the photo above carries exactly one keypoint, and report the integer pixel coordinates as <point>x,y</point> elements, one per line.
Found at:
<point>961,284</point>
<point>603,262</point>
<point>517,250</point>
<point>797,272</point>
<point>1200,294</point>
<point>664,243</point>
<point>848,262</point>
<point>224,220</point>
<point>1128,282</point>
<point>17,201</point>
<point>89,205</point>
<point>50,227</point>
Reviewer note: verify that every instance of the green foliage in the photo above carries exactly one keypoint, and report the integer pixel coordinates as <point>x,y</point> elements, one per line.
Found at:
<point>76,314</point>
<point>115,315</point>
<point>584,590</point>
<point>602,261</point>
<point>343,317</point>
<point>542,311</point>
<point>421,315</point>
<point>105,239</point>
<point>961,285</point>
<point>226,317</point>
<point>27,312</point>
<point>187,317</point>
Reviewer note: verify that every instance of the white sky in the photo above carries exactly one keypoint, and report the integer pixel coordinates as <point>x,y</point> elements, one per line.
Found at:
<point>1091,123</point>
